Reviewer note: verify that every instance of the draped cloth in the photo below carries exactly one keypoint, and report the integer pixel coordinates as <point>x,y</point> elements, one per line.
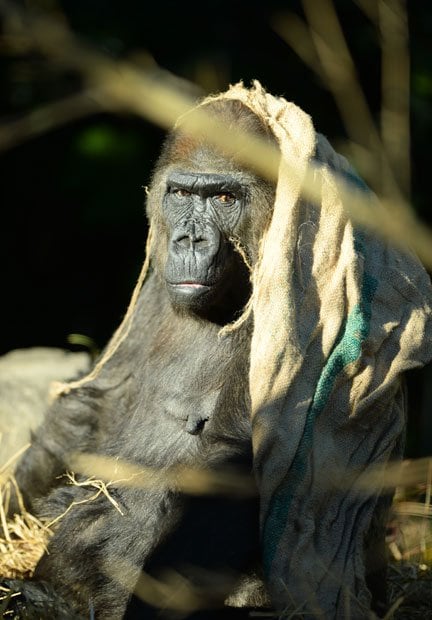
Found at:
<point>339,315</point>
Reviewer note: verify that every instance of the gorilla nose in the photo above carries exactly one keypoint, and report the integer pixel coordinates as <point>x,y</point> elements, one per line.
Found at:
<point>191,242</point>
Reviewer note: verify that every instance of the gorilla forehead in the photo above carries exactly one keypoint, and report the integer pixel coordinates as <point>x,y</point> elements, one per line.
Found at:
<point>205,183</point>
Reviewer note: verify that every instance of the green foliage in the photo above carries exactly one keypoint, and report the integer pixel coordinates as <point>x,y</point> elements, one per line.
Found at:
<point>103,141</point>
<point>422,84</point>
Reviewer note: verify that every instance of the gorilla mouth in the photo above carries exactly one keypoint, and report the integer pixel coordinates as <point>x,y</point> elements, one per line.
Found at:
<point>189,287</point>
<point>192,284</point>
<point>189,293</point>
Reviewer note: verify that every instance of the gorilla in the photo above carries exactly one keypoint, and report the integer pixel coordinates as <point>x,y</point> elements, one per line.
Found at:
<point>174,394</point>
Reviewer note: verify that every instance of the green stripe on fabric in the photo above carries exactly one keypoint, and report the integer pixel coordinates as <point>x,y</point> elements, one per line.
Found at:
<point>346,351</point>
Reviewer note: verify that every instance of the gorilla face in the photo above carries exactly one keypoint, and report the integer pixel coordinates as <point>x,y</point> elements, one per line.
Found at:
<point>202,204</point>
<point>202,212</point>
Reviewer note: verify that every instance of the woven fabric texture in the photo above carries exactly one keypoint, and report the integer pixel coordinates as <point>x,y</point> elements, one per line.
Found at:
<point>339,315</point>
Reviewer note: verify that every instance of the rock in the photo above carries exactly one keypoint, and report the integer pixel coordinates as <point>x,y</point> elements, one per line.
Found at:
<point>25,378</point>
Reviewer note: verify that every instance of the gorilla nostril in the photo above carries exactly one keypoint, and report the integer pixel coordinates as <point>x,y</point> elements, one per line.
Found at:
<point>190,243</point>
<point>184,242</point>
<point>201,243</point>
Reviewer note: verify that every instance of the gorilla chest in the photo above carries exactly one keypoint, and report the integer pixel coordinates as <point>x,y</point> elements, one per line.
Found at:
<point>187,381</point>
<point>190,404</point>
<point>188,394</point>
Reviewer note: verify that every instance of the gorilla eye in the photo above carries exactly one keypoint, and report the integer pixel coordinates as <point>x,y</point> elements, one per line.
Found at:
<point>180,192</point>
<point>227,199</point>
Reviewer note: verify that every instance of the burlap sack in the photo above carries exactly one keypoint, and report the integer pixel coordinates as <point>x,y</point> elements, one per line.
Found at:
<point>339,315</point>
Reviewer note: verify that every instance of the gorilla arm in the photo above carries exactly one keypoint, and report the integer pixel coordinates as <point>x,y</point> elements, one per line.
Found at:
<point>68,426</point>
<point>77,420</point>
<point>116,543</point>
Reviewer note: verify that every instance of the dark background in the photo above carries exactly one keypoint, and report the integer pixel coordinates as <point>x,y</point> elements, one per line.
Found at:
<point>73,225</point>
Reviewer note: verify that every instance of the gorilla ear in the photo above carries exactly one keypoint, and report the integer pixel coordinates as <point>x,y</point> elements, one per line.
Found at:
<point>155,193</point>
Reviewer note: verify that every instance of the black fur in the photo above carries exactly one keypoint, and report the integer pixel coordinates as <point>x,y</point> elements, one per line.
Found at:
<point>175,393</point>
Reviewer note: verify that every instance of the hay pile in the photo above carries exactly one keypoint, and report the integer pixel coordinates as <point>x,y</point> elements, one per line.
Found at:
<point>23,537</point>
<point>23,540</point>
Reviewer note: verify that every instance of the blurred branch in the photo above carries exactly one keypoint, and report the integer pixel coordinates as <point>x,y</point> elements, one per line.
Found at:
<point>395,84</point>
<point>158,96</point>
<point>405,474</point>
<point>189,480</point>
<point>321,44</point>
<point>172,591</point>
<point>369,8</point>
<point>292,29</point>
<point>341,77</point>
<point>151,93</point>
<point>47,118</point>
